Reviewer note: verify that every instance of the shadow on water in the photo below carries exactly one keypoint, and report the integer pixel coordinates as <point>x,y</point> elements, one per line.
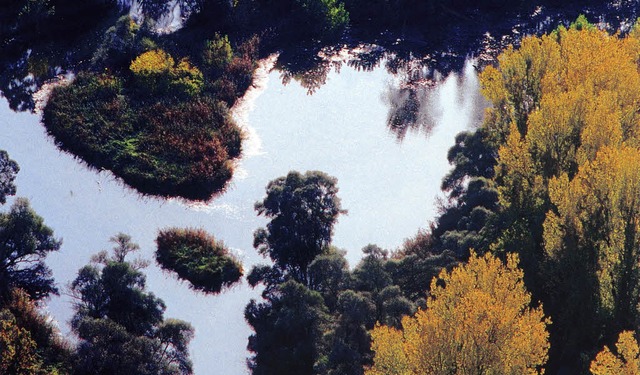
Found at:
<point>419,52</point>
<point>420,57</point>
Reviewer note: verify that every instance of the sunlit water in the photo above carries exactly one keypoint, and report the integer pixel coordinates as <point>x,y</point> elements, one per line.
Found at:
<point>388,187</point>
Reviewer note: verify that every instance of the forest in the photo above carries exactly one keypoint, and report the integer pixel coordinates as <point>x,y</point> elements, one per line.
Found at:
<point>531,266</point>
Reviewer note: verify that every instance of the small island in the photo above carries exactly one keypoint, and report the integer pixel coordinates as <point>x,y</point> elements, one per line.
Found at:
<point>159,120</point>
<point>197,257</point>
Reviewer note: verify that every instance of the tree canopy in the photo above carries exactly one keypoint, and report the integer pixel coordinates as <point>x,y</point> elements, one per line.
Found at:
<point>8,171</point>
<point>121,326</point>
<point>478,320</point>
<point>303,209</point>
<point>566,128</point>
<point>289,328</point>
<point>626,361</point>
<point>25,241</point>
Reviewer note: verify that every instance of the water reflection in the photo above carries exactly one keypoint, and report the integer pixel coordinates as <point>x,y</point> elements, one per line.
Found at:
<point>408,110</point>
<point>36,47</point>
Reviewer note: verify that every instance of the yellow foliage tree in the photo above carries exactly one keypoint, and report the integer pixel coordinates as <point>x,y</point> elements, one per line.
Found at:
<point>477,321</point>
<point>626,362</point>
<point>566,124</point>
<point>600,210</point>
<point>17,349</point>
<point>157,72</point>
<point>150,63</point>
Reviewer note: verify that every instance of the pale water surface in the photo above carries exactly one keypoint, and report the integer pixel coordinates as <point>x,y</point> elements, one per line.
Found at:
<point>388,187</point>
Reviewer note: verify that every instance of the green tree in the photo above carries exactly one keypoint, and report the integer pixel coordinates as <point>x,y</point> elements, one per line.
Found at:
<point>288,330</point>
<point>8,171</point>
<point>303,209</point>
<point>348,344</point>
<point>217,54</point>
<point>24,243</point>
<point>120,325</point>
<point>329,275</point>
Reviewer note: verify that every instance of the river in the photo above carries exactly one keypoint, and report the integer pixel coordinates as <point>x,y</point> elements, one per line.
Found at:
<point>389,188</point>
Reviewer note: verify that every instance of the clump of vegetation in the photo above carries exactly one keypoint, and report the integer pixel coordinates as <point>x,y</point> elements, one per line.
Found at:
<point>197,257</point>
<point>158,74</point>
<point>217,53</point>
<point>315,311</point>
<point>624,360</point>
<point>156,130</point>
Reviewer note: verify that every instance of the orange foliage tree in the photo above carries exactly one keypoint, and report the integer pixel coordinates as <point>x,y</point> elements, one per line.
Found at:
<point>566,124</point>
<point>626,362</point>
<point>478,320</point>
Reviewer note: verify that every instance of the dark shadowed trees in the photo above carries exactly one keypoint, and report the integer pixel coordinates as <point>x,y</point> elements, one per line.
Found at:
<point>120,325</point>
<point>8,170</point>
<point>288,330</point>
<point>303,209</point>
<point>24,243</point>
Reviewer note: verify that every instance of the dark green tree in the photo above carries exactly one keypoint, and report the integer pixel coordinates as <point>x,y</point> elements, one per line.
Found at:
<point>8,171</point>
<point>372,276</point>
<point>303,209</point>
<point>288,330</point>
<point>329,275</point>
<point>24,243</point>
<point>348,344</point>
<point>120,325</point>
<point>468,219</point>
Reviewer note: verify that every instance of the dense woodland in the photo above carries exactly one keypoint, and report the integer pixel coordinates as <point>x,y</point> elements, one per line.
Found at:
<point>532,265</point>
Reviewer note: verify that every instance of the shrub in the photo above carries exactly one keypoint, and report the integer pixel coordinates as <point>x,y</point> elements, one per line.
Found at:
<point>217,54</point>
<point>86,116</point>
<point>152,70</point>
<point>186,79</point>
<point>164,148</point>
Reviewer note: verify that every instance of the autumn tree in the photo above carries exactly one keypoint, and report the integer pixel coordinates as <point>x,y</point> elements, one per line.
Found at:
<point>478,320</point>
<point>30,342</point>
<point>157,72</point>
<point>592,239</point>
<point>565,123</point>
<point>625,361</point>
<point>121,326</point>
<point>17,349</point>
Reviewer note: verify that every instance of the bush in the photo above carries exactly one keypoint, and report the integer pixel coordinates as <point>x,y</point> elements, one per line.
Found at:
<point>217,54</point>
<point>152,70</point>
<point>156,73</point>
<point>186,79</point>
<point>196,256</point>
